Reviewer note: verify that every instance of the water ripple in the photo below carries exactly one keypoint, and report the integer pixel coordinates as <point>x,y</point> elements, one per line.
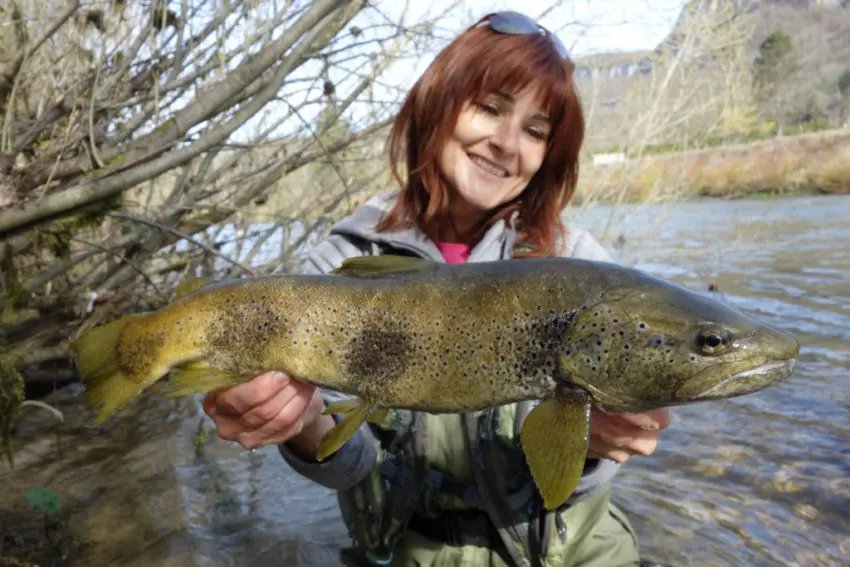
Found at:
<point>763,479</point>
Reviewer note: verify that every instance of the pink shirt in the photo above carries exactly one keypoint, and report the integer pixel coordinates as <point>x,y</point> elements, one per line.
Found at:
<point>453,252</point>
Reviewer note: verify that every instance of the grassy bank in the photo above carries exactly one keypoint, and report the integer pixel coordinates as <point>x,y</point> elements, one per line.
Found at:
<point>807,163</point>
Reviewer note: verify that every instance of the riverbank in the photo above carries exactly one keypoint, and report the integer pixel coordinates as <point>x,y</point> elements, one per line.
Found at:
<point>816,163</point>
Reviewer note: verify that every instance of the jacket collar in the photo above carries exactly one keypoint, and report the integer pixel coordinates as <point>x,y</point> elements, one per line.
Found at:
<point>496,244</point>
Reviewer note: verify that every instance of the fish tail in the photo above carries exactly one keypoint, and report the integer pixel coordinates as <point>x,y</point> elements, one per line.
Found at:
<point>108,387</point>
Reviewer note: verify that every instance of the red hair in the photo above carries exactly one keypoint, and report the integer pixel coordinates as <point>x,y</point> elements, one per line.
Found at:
<point>476,64</point>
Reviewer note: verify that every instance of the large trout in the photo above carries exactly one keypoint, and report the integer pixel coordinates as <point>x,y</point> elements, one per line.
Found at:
<point>406,333</point>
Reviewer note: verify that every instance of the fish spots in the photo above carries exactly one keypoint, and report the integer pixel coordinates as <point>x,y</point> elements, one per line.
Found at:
<point>379,354</point>
<point>138,348</point>
<point>547,337</point>
<point>245,326</point>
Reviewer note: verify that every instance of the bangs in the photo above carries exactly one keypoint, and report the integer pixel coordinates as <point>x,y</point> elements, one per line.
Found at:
<point>512,64</point>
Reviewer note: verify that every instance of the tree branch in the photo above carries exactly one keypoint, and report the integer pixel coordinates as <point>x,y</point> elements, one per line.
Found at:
<point>113,183</point>
<point>186,237</point>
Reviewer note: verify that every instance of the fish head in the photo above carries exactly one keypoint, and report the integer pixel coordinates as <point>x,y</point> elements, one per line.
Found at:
<point>650,343</point>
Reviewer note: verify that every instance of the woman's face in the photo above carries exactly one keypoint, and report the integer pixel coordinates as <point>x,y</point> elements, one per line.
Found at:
<point>497,146</point>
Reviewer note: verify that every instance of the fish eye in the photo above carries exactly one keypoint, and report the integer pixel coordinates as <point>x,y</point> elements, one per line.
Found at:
<point>711,339</point>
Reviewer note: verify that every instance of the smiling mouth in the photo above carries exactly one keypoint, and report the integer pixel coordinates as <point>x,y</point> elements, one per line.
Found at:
<point>488,166</point>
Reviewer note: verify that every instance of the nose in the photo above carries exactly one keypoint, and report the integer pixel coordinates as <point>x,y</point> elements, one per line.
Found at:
<point>505,138</point>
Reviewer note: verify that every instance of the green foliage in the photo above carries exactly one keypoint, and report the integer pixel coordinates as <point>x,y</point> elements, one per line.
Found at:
<point>812,116</point>
<point>11,400</point>
<point>16,296</point>
<point>844,90</point>
<point>201,437</point>
<point>774,50</point>
<point>43,500</point>
<point>56,236</point>
<point>844,84</point>
<point>774,70</point>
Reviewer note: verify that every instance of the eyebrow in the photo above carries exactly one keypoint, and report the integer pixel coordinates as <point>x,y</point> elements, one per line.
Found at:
<point>510,98</point>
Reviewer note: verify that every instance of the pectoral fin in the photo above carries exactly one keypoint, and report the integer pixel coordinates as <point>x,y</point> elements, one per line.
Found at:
<point>342,406</point>
<point>554,438</point>
<point>383,266</point>
<point>346,406</point>
<point>343,431</point>
<point>197,378</point>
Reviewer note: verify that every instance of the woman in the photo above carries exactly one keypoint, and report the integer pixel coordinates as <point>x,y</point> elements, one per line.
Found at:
<point>485,150</point>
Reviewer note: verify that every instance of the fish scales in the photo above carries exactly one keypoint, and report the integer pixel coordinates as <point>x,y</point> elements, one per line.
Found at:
<point>399,332</point>
<point>398,341</point>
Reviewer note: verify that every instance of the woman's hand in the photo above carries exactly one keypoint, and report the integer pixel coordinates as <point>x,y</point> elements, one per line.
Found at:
<point>271,408</point>
<point>618,436</point>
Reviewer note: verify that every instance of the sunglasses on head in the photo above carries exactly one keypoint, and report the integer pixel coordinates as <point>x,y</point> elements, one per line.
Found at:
<point>514,23</point>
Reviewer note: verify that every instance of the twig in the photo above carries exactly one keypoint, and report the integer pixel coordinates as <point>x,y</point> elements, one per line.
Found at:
<point>95,154</point>
<point>125,260</point>
<point>186,237</point>
<point>35,403</point>
<point>63,17</point>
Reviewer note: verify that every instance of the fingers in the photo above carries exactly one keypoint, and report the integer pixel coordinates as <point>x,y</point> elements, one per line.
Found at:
<point>313,410</point>
<point>620,436</point>
<point>602,450</point>
<point>289,421</point>
<point>653,420</point>
<point>269,408</point>
<point>236,400</point>
<point>637,442</point>
<point>620,451</point>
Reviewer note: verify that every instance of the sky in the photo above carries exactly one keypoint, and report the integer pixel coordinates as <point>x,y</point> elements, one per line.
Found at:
<point>584,26</point>
<point>602,25</point>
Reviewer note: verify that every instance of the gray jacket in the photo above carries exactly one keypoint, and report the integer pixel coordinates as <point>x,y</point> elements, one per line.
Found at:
<point>356,236</point>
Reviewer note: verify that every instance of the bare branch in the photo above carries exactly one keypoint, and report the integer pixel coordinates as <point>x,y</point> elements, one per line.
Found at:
<point>186,237</point>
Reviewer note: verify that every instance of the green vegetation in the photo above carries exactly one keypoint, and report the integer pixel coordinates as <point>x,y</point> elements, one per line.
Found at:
<point>773,71</point>
<point>11,400</point>
<point>844,89</point>
<point>46,502</point>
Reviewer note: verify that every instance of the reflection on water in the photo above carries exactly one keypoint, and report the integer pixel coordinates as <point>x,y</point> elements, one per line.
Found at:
<point>759,480</point>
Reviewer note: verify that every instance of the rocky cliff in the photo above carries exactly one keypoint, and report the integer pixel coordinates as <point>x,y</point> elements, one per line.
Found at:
<point>819,29</point>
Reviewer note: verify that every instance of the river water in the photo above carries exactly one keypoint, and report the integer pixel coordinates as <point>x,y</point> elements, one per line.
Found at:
<point>762,480</point>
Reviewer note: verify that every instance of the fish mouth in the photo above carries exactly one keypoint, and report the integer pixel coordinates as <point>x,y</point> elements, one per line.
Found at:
<point>749,381</point>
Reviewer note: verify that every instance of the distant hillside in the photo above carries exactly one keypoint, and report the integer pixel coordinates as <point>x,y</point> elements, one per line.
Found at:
<point>820,31</point>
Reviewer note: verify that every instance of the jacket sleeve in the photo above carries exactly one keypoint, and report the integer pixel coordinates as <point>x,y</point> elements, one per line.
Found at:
<point>356,459</point>
<point>580,244</point>
<point>597,472</point>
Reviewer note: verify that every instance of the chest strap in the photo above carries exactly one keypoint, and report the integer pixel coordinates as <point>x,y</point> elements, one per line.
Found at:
<point>442,482</point>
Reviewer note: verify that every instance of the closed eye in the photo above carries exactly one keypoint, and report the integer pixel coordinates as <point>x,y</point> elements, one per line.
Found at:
<point>491,109</point>
<point>537,134</point>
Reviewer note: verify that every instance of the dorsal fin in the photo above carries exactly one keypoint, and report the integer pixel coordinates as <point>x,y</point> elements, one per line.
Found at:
<point>383,266</point>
